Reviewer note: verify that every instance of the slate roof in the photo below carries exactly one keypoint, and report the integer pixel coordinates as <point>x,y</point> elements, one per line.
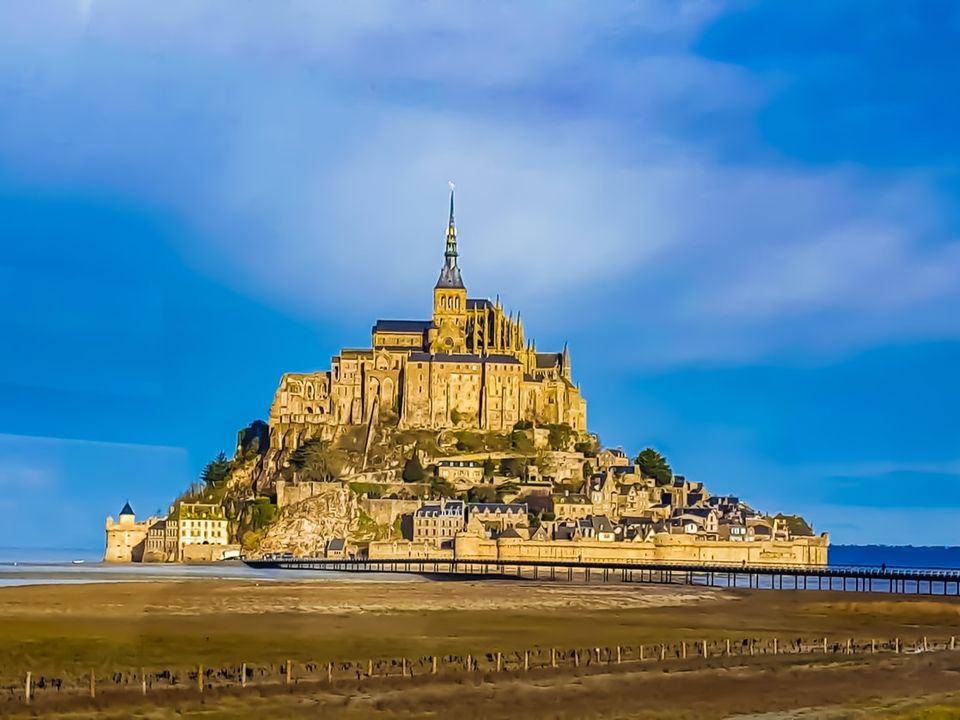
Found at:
<point>463,358</point>
<point>452,508</point>
<point>548,360</point>
<point>497,507</point>
<point>510,533</point>
<point>402,326</point>
<point>337,544</point>
<point>474,303</point>
<point>127,510</point>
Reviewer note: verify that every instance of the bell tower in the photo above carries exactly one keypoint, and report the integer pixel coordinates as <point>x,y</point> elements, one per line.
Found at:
<point>449,299</point>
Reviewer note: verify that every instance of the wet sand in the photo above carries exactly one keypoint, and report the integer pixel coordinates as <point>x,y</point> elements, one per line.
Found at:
<point>63,629</point>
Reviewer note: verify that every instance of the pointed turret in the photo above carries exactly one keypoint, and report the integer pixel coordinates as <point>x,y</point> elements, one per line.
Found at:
<point>565,362</point>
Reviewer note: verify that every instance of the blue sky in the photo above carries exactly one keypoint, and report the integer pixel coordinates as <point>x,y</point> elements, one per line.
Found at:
<point>742,216</point>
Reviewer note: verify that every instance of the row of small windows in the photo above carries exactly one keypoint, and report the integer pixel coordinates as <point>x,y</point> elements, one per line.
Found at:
<point>451,303</point>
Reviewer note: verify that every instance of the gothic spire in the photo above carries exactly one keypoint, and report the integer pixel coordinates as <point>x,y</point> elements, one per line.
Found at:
<point>450,273</point>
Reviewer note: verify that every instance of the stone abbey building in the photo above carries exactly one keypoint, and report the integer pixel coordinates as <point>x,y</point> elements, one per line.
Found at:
<point>468,366</point>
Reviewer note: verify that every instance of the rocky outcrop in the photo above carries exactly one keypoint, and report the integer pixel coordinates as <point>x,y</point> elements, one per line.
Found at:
<point>305,527</point>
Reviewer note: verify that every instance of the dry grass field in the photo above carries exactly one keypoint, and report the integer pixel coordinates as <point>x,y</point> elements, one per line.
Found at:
<point>67,630</point>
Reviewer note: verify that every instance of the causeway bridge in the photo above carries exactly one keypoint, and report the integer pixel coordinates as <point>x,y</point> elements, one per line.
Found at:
<point>880,579</point>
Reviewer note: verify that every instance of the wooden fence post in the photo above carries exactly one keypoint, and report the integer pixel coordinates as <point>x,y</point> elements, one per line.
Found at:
<point>370,667</point>
<point>663,652</point>
<point>526,660</point>
<point>897,645</point>
<point>576,658</point>
<point>143,682</point>
<point>289,672</point>
<point>824,646</point>
<point>553,657</point>
<point>243,675</point>
<point>27,688</point>
<point>641,653</point>
<point>329,672</point>
<point>751,647</point>
<point>925,643</point>
<point>403,667</point>
<point>619,656</point>
<point>704,647</point>
<point>433,669</point>
<point>728,647</point>
<point>93,684</point>
<point>776,647</point>
<point>683,650</point>
<point>873,645</point>
<point>200,677</point>
<point>953,642</point>
<point>469,663</point>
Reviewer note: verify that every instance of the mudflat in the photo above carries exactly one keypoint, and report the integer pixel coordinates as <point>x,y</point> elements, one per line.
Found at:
<point>68,630</point>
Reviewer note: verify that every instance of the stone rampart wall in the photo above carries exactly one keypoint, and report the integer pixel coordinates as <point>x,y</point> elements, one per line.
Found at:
<point>664,548</point>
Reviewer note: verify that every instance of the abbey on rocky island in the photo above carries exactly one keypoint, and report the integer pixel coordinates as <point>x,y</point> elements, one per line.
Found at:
<point>469,366</point>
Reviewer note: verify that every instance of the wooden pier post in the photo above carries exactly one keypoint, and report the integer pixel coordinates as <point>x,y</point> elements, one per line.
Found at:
<point>703,644</point>
<point>897,645</point>
<point>27,687</point>
<point>470,663</point>
<point>329,672</point>
<point>619,657</point>
<point>641,653</point>
<point>728,647</point>
<point>663,652</point>
<point>143,682</point>
<point>289,673</point>
<point>553,657</point>
<point>576,658</point>
<point>824,646</point>
<point>849,646</point>
<point>683,650</point>
<point>433,669</point>
<point>93,684</point>
<point>776,648</point>
<point>200,677</point>
<point>526,660</point>
<point>953,642</point>
<point>403,667</point>
<point>873,646</point>
<point>370,668</point>
<point>925,648</point>
<point>243,675</point>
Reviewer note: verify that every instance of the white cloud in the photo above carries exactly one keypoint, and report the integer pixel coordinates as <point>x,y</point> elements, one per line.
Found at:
<point>310,146</point>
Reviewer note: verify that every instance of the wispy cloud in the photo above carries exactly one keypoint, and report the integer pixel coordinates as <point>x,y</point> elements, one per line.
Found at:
<point>309,147</point>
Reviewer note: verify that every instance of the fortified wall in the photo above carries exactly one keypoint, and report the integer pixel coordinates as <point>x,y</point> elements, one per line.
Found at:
<point>801,551</point>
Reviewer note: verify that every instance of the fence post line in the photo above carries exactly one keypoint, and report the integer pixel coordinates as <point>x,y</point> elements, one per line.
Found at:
<point>200,677</point>
<point>243,675</point>
<point>27,688</point>
<point>93,684</point>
